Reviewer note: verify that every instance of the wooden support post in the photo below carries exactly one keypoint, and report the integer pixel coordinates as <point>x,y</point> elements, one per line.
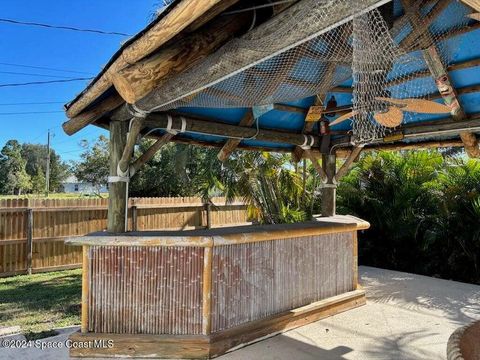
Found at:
<point>85,289</point>
<point>348,163</point>
<point>208,209</point>
<point>329,189</point>
<point>150,153</point>
<point>117,200</point>
<point>132,136</point>
<point>321,172</point>
<point>355,260</point>
<point>231,145</point>
<point>29,240</point>
<point>207,291</point>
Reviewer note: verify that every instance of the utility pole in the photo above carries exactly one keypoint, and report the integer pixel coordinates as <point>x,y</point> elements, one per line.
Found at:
<point>47,171</point>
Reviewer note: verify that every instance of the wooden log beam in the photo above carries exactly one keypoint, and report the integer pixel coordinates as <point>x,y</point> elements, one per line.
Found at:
<point>348,163</point>
<point>215,128</point>
<point>231,145</point>
<point>243,57</point>
<point>80,121</point>
<point>150,153</point>
<point>402,146</point>
<point>418,33</point>
<point>177,19</point>
<point>136,126</point>
<point>137,80</point>
<point>442,79</point>
<point>474,4</point>
<point>313,157</point>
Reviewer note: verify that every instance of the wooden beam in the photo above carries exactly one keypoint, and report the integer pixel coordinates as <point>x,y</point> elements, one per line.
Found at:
<point>137,80</point>
<point>474,4</point>
<point>215,128</point>
<point>231,144</point>
<point>240,59</point>
<point>402,146</point>
<point>136,126</point>
<point>417,33</point>
<point>177,19</point>
<point>117,199</point>
<point>348,163</point>
<point>210,14</point>
<point>80,121</point>
<point>150,153</point>
<point>313,157</point>
<point>442,79</point>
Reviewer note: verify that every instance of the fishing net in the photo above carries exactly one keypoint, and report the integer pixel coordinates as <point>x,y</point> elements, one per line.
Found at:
<point>381,55</point>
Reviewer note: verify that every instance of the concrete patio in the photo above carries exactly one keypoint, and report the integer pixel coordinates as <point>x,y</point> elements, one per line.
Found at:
<point>406,317</point>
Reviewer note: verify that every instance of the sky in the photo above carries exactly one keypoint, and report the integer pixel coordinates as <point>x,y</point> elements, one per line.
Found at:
<point>81,52</point>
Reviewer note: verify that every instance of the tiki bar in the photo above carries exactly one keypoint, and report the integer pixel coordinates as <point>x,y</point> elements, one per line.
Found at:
<point>321,80</point>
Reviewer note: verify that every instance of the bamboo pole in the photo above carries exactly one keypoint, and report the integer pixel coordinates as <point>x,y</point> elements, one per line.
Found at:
<point>207,291</point>
<point>85,289</point>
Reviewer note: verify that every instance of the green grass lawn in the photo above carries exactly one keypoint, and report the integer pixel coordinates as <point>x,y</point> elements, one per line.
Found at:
<point>41,302</point>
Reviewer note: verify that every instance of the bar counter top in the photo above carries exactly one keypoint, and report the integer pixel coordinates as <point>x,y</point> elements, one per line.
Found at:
<point>223,235</point>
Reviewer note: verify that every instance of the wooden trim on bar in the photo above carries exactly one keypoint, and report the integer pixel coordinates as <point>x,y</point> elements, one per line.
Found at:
<point>355,259</point>
<point>208,346</point>
<point>242,335</point>
<point>224,236</point>
<point>207,291</point>
<point>85,287</point>
<point>142,346</point>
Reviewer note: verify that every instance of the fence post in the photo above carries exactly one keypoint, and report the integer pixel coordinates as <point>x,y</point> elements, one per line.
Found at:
<point>209,215</point>
<point>29,240</point>
<point>134,218</point>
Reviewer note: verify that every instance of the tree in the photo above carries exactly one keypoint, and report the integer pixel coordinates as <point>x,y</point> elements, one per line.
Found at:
<point>93,167</point>
<point>36,158</point>
<point>39,182</point>
<point>15,179</point>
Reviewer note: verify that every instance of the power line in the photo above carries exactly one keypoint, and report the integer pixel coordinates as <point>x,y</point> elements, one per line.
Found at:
<point>33,103</point>
<point>33,74</point>
<point>32,112</point>
<point>44,82</point>
<point>18,22</point>
<point>45,68</point>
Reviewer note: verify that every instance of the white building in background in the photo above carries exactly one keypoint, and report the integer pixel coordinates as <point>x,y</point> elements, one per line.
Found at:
<point>73,186</point>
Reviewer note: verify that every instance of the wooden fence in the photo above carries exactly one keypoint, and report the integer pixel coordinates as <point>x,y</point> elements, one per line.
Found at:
<point>32,231</point>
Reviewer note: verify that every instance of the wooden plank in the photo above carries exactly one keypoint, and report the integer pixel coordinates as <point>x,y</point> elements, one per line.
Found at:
<point>29,253</point>
<point>142,346</point>
<point>177,19</point>
<point>242,335</point>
